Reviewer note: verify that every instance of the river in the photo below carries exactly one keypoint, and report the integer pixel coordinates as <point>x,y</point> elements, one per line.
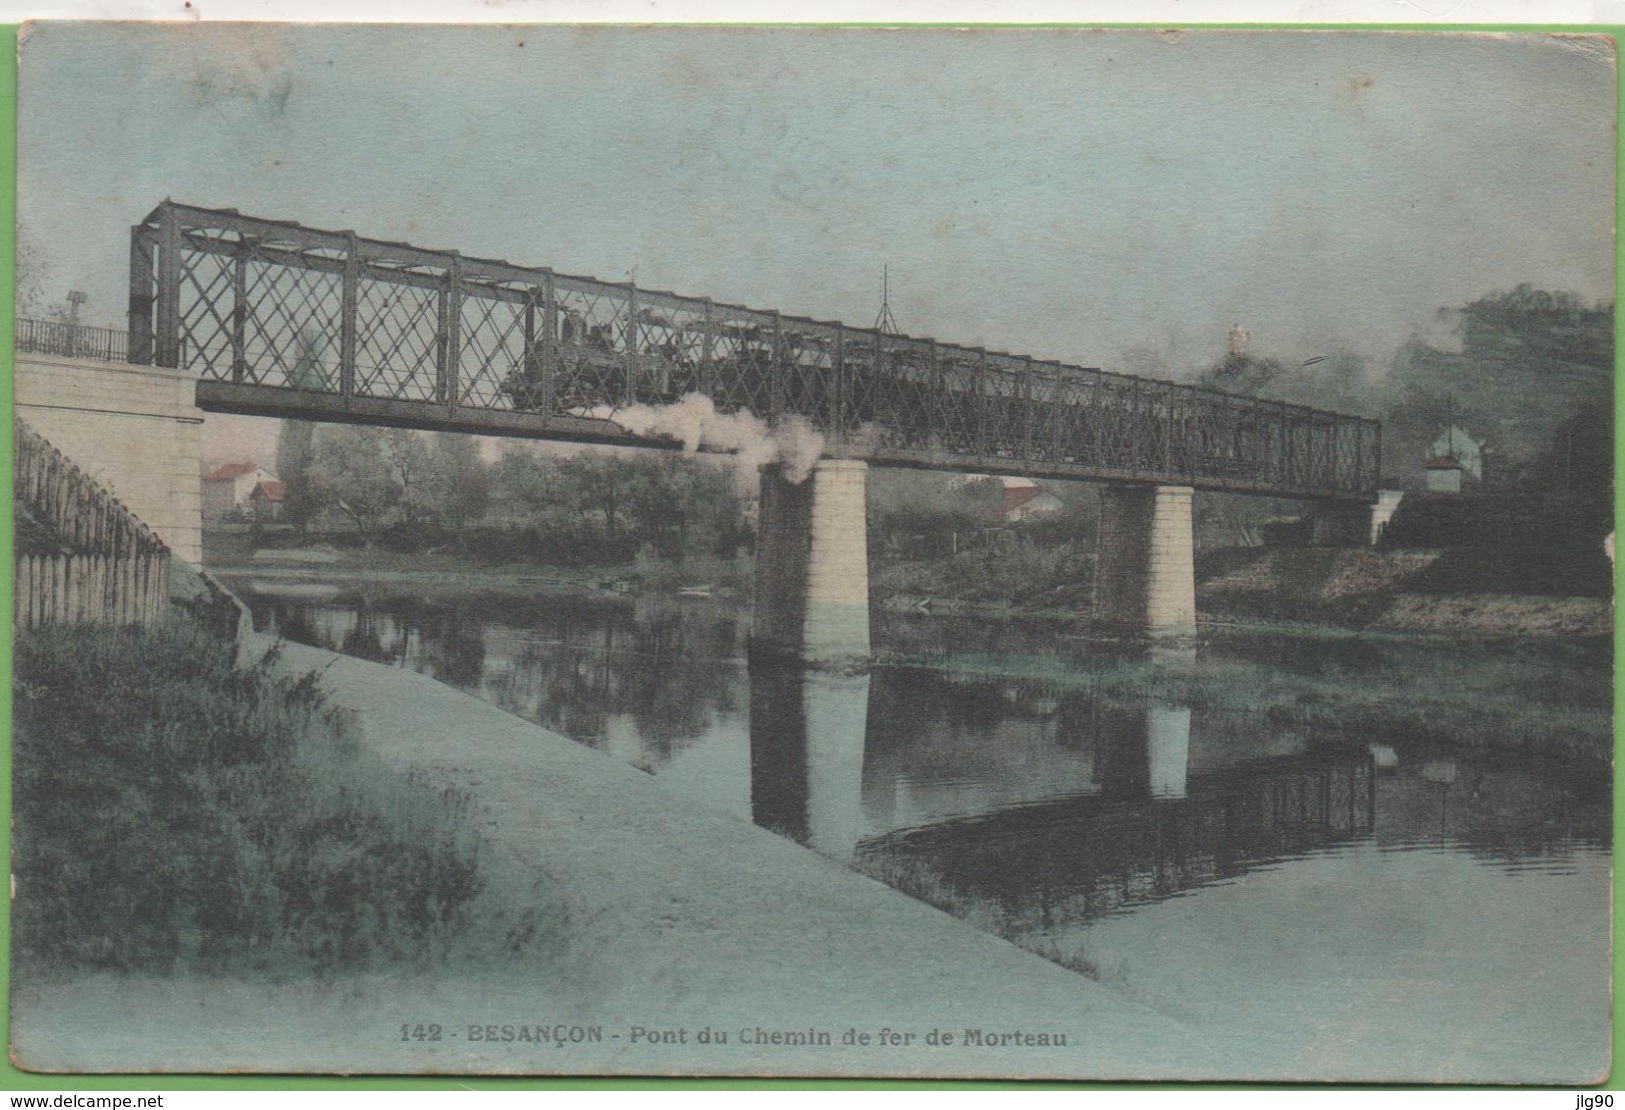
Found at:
<point>1186,826</point>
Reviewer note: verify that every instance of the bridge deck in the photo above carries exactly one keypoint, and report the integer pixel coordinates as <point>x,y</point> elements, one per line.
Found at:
<point>283,320</point>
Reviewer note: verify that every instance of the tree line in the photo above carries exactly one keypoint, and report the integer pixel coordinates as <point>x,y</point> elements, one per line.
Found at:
<point>374,477</point>
<point>1530,375</point>
<point>414,490</point>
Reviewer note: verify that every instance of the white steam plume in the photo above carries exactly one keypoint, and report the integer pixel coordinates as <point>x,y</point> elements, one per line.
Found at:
<point>694,422</point>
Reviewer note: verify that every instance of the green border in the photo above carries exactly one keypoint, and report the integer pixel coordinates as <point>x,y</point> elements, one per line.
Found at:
<point>13,1079</point>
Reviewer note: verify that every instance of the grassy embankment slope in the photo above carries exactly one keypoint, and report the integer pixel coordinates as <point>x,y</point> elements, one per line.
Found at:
<point>177,813</point>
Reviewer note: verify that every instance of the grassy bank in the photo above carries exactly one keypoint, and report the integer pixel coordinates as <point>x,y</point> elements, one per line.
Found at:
<point>1450,591</point>
<point>176,813</point>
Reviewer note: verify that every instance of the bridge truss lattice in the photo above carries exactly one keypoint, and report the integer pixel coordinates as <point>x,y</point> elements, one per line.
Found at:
<point>284,320</point>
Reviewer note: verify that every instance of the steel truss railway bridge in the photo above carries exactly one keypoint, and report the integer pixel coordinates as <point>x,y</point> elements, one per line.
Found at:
<point>281,320</point>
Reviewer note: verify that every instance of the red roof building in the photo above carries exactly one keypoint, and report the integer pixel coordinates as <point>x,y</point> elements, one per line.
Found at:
<point>267,499</point>
<point>274,492</point>
<point>1022,502</point>
<point>230,487</point>
<point>1015,497</point>
<point>230,472</point>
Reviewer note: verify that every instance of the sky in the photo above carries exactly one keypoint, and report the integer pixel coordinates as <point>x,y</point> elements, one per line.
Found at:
<point>1109,198</point>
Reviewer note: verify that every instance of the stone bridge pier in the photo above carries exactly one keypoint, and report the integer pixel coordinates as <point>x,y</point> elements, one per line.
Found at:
<point>812,565</point>
<point>1145,562</point>
<point>1343,524</point>
<point>808,728</point>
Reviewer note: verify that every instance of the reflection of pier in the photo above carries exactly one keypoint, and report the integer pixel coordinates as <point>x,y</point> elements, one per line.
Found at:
<point>1090,855</point>
<point>817,778</point>
<point>807,734</point>
<point>1150,753</point>
<point>1135,825</point>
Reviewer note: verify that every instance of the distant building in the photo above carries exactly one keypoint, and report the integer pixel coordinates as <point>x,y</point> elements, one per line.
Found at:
<point>1020,498</point>
<point>267,499</point>
<point>1444,475</point>
<point>1458,444</point>
<point>228,488</point>
<point>1025,502</point>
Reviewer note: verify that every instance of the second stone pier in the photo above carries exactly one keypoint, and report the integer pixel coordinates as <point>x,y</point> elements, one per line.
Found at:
<point>812,565</point>
<point>1145,569</point>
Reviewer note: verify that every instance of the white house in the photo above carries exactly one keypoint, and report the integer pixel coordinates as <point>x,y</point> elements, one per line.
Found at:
<point>1444,475</point>
<point>1467,450</point>
<point>229,487</point>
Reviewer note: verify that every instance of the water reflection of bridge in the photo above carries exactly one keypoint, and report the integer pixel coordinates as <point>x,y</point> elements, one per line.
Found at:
<point>1094,854</point>
<point>1139,826</point>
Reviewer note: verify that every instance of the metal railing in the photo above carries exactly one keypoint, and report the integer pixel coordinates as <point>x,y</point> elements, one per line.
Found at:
<point>68,340</point>
<point>281,319</point>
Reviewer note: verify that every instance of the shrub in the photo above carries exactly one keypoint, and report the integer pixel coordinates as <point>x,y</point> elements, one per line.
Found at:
<point>173,809</point>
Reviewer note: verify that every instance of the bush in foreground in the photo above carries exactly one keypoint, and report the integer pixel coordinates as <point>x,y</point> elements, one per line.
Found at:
<point>174,810</point>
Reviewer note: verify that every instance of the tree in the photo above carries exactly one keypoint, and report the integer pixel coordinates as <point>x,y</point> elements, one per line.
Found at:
<point>1530,360</point>
<point>294,448</point>
<point>295,441</point>
<point>33,270</point>
<point>409,461</point>
<point>597,507</point>
<point>351,470</point>
<point>527,481</point>
<point>684,506</point>
<point>527,485</point>
<point>460,482</point>
<point>1242,373</point>
<point>309,370</point>
<point>594,486</point>
<point>906,504</point>
<point>1338,381</point>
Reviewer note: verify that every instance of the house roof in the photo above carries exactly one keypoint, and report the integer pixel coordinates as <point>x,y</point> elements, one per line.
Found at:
<point>1444,464</point>
<point>1014,497</point>
<point>272,491</point>
<point>230,472</point>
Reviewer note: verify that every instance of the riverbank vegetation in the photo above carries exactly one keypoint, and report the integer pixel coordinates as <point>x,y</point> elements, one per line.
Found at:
<point>1549,697</point>
<point>176,812</point>
<point>412,493</point>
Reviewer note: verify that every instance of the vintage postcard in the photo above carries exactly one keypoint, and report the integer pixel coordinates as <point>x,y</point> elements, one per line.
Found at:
<point>1011,553</point>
